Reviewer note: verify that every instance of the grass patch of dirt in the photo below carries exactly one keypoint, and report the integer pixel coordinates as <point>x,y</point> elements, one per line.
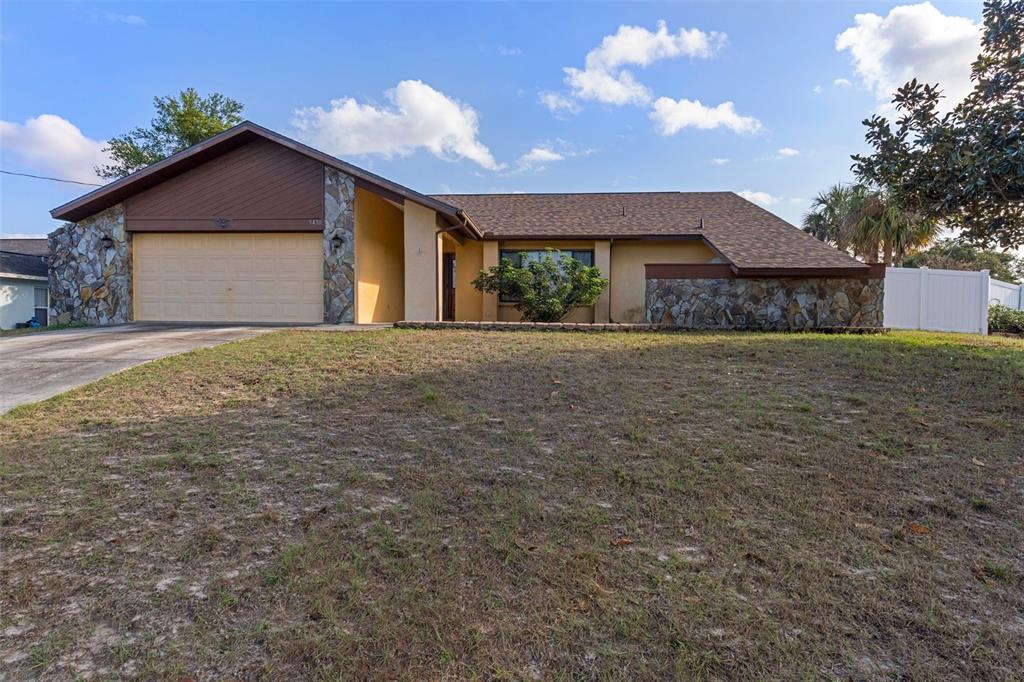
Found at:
<point>428,504</point>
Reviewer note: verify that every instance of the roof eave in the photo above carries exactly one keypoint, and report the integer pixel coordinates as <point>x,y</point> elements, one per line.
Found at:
<point>18,275</point>
<point>861,270</point>
<point>490,236</point>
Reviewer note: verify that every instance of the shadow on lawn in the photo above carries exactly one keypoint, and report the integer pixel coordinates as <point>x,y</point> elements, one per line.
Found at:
<point>410,504</point>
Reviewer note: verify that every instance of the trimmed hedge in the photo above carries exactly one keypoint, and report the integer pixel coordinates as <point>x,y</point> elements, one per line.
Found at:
<point>1005,319</point>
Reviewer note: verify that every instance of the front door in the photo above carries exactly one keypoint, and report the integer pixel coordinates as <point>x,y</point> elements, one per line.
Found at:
<point>448,287</point>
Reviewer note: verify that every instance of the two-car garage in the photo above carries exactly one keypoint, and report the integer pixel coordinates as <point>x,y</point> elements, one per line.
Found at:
<point>233,277</point>
<point>249,226</point>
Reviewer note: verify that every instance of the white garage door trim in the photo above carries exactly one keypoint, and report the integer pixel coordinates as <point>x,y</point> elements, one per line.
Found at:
<point>237,277</point>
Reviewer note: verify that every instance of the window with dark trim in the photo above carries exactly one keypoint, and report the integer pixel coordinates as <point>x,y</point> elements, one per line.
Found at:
<point>521,257</point>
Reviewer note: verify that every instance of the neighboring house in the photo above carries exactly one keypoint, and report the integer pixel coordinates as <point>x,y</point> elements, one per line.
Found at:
<point>251,226</point>
<point>23,281</point>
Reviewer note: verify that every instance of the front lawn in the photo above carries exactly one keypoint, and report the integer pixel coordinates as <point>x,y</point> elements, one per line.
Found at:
<point>428,504</point>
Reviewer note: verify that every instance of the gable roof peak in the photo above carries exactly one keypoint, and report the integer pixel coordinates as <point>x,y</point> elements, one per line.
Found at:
<point>232,138</point>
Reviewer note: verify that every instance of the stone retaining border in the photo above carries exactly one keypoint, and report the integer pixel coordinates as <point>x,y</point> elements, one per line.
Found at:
<point>589,327</point>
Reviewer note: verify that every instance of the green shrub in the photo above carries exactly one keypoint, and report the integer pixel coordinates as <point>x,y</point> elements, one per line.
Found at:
<point>547,289</point>
<point>1005,319</point>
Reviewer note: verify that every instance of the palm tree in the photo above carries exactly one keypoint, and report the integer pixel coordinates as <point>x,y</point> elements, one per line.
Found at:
<point>855,219</point>
<point>828,215</point>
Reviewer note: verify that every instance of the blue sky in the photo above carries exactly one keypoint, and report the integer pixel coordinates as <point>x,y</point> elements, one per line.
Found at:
<point>476,97</point>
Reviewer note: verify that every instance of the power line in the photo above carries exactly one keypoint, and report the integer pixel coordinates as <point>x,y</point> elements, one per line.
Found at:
<point>43,177</point>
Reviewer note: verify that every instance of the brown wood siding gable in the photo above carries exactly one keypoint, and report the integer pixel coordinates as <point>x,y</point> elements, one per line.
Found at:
<point>258,186</point>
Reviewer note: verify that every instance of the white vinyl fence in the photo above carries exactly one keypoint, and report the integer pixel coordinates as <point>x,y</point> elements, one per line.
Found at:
<point>1011,295</point>
<point>937,300</point>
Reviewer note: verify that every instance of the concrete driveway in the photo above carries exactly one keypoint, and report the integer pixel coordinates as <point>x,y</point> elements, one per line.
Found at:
<point>35,366</point>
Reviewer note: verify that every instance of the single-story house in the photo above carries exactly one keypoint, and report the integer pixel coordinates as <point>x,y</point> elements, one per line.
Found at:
<point>251,226</point>
<point>23,281</point>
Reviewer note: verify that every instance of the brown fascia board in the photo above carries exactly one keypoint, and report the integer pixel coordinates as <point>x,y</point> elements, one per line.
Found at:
<point>728,271</point>
<point>863,271</point>
<point>586,237</point>
<point>232,138</point>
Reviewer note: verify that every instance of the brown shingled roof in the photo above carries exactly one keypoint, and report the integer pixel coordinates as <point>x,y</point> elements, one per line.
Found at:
<point>748,236</point>
<point>32,247</point>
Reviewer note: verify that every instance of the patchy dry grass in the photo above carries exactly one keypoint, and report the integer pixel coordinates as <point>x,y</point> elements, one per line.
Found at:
<point>406,504</point>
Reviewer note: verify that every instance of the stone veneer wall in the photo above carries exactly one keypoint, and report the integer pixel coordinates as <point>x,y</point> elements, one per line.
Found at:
<point>339,261</point>
<point>91,281</point>
<point>765,304</point>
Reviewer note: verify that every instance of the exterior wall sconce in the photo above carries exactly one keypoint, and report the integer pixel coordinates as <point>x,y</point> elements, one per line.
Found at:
<point>106,242</point>
<point>337,242</point>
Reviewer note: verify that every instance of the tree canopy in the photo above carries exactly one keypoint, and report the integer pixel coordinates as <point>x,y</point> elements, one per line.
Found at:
<point>951,254</point>
<point>181,121</point>
<point>964,168</point>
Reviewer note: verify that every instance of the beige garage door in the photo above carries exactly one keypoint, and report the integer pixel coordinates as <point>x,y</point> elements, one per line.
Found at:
<point>255,277</point>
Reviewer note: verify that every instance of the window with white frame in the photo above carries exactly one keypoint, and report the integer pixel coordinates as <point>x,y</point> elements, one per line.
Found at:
<point>42,304</point>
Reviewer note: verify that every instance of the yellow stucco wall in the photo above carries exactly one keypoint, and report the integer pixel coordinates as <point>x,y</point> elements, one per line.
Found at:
<point>380,255</point>
<point>627,279</point>
<point>602,261</point>
<point>622,262</point>
<point>468,262</point>
<point>422,253</point>
<point>507,313</point>
<point>489,302</point>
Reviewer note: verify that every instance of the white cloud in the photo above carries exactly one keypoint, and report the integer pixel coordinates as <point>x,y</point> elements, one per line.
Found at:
<point>913,41</point>
<point>610,88</point>
<point>541,155</point>
<point>505,51</point>
<point>817,89</point>
<point>54,144</point>
<point>719,162</point>
<point>638,45</point>
<point>132,19</point>
<point>842,82</point>
<point>671,116</point>
<point>762,198</point>
<point>788,151</point>
<point>557,103</point>
<point>604,77</point>
<point>538,156</point>
<point>419,117</point>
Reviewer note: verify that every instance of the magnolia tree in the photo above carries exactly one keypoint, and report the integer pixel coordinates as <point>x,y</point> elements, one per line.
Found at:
<point>964,168</point>
<point>545,289</point>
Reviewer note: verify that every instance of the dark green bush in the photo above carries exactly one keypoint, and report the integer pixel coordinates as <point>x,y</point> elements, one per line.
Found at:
<point>1004,319</point>
<point>545,290</point>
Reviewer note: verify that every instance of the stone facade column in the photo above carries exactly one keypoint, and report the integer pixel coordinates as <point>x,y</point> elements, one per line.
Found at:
<point>339,246</point>
<point>90,270</point>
